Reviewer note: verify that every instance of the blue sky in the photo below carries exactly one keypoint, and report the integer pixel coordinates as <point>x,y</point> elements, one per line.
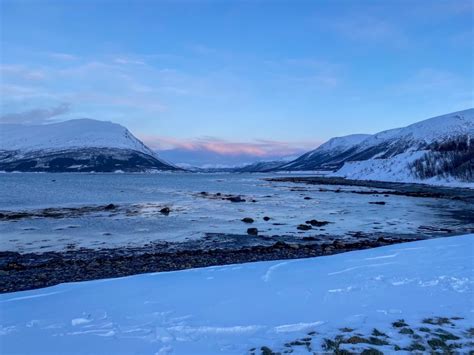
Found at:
<point>257,78</point>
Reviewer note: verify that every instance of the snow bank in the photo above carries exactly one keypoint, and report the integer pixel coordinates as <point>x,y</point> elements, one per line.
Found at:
<point>231,309</point>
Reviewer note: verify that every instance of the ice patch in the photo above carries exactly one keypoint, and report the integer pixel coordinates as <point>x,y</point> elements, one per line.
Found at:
<point>238,329</point>
<point>358,267</point>
<point>79,321</point>
<point>297,327</point>
<point>383,257</point>
<point>272,269</point>
<point>29,297</point>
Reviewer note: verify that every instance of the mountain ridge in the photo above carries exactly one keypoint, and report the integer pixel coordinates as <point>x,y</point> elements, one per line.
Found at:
<point>75,145</point>
<point>436,148</point>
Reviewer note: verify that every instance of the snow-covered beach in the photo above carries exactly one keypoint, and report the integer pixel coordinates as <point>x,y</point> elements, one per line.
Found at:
<point>419,295</point>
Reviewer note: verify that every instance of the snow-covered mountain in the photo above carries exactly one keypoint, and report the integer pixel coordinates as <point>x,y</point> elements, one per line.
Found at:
<point>436,148</point>
<point>259,167</point>
<point>327,155</point>
<point>75,145</point>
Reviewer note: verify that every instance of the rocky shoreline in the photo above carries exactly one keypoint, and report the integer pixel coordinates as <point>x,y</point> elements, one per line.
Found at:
<point>20,272</point>
<point>24,271</point>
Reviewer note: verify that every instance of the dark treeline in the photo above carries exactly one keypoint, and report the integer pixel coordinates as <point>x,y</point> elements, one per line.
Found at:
<point>453,158</point>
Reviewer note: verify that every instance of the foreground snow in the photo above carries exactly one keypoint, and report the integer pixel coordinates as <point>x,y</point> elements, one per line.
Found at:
<point>231,309</point>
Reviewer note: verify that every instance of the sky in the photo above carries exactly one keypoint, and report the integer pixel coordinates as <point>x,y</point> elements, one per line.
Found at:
<point>236,81</point>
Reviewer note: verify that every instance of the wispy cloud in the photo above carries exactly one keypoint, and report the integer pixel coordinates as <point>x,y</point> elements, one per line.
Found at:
<point>37,115</point>
<point>367,28</point>
<point>21,72</point>
<point>257,148</point>
<point>127,61</point>
<point>62,56</point>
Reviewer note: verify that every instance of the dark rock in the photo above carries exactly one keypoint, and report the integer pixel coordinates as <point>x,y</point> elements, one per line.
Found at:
<point>316,223</point>
<point>371,351</point>
<point>166,211</point>
<point>378,203</point>
<point>280,245</point>
<point>399,324</point>
<point>356,340</point>
<point>304,227</point>
<point>110,206</point>
<point>235,199</point>
<point>416,347</point>
<point>266,219</point>
<point>252,231</point>
<point>437,344</point>
<point>378,333</point>
<point>266,350</point>
<point>308,198</point>
<point>247,220</point>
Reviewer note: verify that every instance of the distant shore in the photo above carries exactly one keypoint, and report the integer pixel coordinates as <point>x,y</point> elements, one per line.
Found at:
<point>395,188</point>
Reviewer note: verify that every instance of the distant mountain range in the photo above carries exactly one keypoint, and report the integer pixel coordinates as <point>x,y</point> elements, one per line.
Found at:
<point>437,148</point>
<point>81,145</point>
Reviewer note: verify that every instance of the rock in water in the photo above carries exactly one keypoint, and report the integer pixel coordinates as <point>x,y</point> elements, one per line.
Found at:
<point>252,231</point>
<point>304,227</point>
<point>247,220</point>
<point>166,211</point>
<point>316,223</point>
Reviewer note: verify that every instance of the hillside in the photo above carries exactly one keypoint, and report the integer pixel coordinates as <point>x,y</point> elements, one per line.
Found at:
<point>438,148</point>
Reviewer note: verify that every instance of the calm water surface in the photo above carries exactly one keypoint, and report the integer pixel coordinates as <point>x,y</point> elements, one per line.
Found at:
<point>193,215</point>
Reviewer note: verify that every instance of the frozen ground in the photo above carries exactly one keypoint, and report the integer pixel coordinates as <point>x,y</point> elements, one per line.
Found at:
<point>192,215</point>
<point>302,305</point>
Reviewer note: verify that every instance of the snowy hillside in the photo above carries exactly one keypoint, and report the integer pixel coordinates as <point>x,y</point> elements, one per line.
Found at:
<point>432,130</point>
<point>327,155</point>
<point>88,141</point>
<point>350,301</point>
<point>435,149</point>
<point>341,144</point>
<point>261,166</point>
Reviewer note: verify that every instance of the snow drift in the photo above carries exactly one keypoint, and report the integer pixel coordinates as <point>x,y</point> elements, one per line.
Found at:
<point>232,309</point>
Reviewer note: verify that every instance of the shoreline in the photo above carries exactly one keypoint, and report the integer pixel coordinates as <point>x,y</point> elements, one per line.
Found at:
<point>20,272</point>
<point>389,188</point>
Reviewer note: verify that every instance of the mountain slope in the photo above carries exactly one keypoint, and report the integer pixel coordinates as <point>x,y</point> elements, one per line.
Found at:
<point>436,148</point>
<point>327,155</point>
<point>76,145</point>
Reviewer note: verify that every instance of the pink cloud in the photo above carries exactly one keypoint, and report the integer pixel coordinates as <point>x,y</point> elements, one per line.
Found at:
<point>258,148</point>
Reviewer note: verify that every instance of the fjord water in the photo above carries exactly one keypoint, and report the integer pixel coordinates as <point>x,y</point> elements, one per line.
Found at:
<point>194,214</point>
